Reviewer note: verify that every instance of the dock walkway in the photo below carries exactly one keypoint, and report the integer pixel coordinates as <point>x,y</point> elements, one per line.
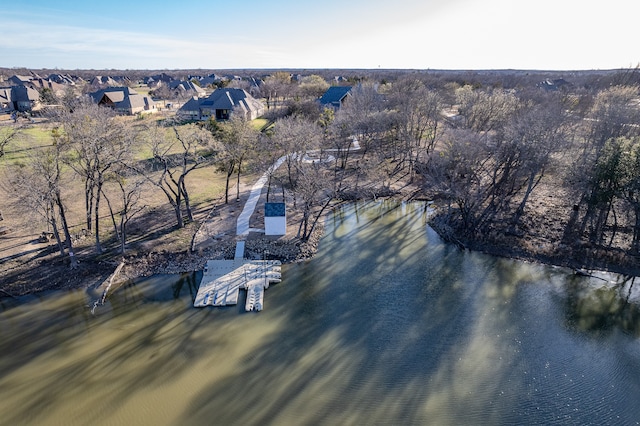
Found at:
<point>223,279</point>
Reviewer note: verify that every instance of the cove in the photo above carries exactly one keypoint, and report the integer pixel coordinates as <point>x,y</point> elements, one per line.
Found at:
<point>386,325</point>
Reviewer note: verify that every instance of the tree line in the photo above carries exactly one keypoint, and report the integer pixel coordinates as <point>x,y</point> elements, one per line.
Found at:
<point>482,150</point>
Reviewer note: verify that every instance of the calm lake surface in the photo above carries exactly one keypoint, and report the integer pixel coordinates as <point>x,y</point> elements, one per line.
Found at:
<point>387,325</point>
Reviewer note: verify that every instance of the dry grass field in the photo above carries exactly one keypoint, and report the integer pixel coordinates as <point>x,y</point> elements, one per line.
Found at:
<point>23,258</point>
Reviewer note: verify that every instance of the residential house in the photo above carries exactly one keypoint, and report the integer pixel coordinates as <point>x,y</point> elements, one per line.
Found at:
<point>41,83</point>
<point>186,88</point>
<point>164,78</point>
<point>20,80</point>
<point>254,86</point>
<point>26,98</point>
<point>121,80</point>
<point>191,109</point>
<point>65,79</point>
<point>335,96</point>
<point>151,83</point>
<point>553,85</point>
<point>103,80</point>
<point>6,104</point>
<point>19,98</point>
<point>211,79</point>
<point>221,104</point>
<point>124,100</point>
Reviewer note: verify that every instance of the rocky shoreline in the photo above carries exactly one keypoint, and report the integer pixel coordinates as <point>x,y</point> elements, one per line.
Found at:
<point>286,250</point>
<point>95,274</point>
<point>293,250</point>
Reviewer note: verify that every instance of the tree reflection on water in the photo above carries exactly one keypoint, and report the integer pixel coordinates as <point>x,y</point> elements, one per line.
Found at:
<point>603,308</point>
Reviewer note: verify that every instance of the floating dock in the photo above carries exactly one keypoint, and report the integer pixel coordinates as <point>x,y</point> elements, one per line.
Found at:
<point>223,279</point>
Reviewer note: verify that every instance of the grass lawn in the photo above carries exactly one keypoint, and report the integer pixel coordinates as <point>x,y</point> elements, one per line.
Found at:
<point>154,227</point>
<point>26,142</point>
<point>259,123</point>
<point>143,89</point>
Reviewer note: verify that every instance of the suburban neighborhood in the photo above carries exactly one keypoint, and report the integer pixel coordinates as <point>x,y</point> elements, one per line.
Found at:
<point>193,97</point>
<point>341,135</point>
<point>319,213</point>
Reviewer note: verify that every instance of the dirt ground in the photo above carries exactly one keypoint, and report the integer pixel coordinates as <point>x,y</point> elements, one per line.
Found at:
<point>542,237</point>
<point>29,265</point>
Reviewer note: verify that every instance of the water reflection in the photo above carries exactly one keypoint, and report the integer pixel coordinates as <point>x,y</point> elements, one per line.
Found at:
<point>603,307</point>
<point>386,325</point>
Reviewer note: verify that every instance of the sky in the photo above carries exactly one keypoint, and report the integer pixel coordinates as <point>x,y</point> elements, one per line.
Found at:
<point>341,34</point>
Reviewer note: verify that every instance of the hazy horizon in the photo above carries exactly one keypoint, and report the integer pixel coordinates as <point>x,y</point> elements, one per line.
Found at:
<point>309,69</point>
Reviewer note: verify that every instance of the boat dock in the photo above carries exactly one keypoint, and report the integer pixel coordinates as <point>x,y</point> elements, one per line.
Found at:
<point>223,279</point>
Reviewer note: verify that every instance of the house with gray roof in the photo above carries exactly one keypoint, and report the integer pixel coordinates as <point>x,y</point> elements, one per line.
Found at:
<point>41,83</point>
<point>335,97</point>
<point>103,80</point>
<point>164,77</point>
<point>6,104</point>
<point>63,79</point>
<point>221,104</point>
<point>19,98</point>
<point>553,85</point>
<point>124,100</point>
<point>186,87</point>
<point>209,80</point>
<point>19,80</point>
<point>191,109</point>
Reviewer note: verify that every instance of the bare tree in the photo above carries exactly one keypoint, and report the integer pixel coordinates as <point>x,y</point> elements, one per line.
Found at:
<point>461,172</point>
<point>312,86</point>
<point>38,183</point>
<point>314,191</point>
<point>364,116</point>
<point>485,110</point>
<point>178,151</point>
<point>276,86</point>
<point>630,185</point>
<point>34,185</point>
<point>131,188</point>
<point>7,134</point>
<point>536,131</point>
<point>417,120</point>
<point>294,137</point>
<point>266,154</point>
<point>94,141</point>
<point>613,115</point>
<point>238,139</point>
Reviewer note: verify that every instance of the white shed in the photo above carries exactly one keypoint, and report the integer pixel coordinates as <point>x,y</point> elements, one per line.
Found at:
<point>275,219</point>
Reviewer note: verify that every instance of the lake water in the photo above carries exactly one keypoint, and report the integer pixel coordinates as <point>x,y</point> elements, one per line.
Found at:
<point>387,325</point>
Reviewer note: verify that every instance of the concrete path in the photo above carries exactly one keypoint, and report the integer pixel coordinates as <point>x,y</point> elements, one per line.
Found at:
<point>242,227</point>
<point>223,279</point>
<point>242,223</point>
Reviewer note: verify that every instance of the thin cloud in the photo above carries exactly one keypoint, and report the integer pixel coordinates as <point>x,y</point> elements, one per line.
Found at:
<point>118,47</point>
<point>423,34</point>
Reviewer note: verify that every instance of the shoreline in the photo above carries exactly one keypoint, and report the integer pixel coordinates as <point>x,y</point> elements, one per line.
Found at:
<point>292,250</point>
<point>94,275</point>
<point>579,258</point>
